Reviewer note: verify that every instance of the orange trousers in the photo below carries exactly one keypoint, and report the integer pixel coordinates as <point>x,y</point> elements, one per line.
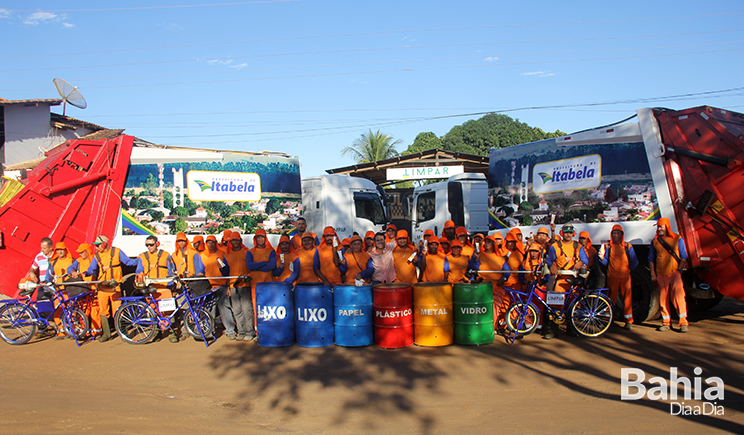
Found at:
<point>501,303</point>
<point>622,285</point>
<point>108,302</point>
<point>671,286</point>
<point>92,310</point>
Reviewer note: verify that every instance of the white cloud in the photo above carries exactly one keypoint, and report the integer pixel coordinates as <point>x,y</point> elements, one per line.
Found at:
<point>491,59</point>
<point>4,13</point>
<point>539,73</point>
<point>67,25</point>
<point>40,17</point>
<point>239,66</point>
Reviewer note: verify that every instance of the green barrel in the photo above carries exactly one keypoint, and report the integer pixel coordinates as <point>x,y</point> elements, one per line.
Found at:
<point>473,313</point>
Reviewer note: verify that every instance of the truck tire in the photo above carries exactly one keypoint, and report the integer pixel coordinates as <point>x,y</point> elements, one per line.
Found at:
<point>645,297</point>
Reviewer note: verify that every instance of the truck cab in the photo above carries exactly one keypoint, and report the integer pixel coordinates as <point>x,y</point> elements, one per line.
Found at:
<point>463,199</point>
<point>348,204</point>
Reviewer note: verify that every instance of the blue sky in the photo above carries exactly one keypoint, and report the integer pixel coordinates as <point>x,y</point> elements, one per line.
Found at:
<point>308,77</point>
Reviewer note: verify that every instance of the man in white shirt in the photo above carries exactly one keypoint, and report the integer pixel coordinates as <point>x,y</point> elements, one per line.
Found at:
<point>40,266</point>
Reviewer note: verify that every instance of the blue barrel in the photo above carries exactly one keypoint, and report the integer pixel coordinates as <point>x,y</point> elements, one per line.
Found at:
<point>275,314</point>
<point>314,309</point>
<point>353,321</point>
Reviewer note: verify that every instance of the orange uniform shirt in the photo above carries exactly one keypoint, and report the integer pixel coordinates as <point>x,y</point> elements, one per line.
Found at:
<point>327,268</point>
<point>434,268</point>
<point>405,272</point>
<point>236,261</point>
<point>307,273</point>
<point>458,266</point>
<point>212,266</point>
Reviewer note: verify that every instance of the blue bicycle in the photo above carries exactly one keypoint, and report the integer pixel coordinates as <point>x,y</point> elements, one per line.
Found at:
<point>588,311</point>
<point>21,318</point>
<point>140,317</point>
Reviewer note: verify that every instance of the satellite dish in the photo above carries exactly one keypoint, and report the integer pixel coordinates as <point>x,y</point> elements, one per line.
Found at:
<point>69,94</point>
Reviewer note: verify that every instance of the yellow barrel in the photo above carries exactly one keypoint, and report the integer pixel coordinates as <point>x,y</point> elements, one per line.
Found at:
<point>432,314</point>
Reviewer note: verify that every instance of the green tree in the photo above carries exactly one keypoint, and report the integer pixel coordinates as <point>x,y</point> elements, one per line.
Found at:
<point>180,211</point>
<point>273,206</point>
<point>371,147</point>
<point>424,141</point>
<point>156,215</point>
<point>179,226</point>
<point>526,206</point>
<point>150,184</point>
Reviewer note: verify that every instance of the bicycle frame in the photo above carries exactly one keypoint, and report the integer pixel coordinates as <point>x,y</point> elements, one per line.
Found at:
<point>163,322</point>
<point>60,301</point>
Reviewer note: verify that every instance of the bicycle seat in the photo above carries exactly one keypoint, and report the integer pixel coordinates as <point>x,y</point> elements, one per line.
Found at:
<point>579,282</point>
<point>26,292</point>
<point>148,290</point>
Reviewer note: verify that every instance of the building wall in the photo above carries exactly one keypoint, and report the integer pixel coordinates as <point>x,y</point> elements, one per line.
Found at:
<point>28,128</point>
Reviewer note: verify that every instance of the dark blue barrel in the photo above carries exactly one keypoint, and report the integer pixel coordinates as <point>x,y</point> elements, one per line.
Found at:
<point>275,314</point>
<point>314,310</point>
<point>353,321</point>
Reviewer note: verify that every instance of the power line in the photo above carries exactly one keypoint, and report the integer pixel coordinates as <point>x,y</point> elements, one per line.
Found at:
<point>388,32</point>
<point>362,50</point>
<point>434,68</point>
<point>472,114</point>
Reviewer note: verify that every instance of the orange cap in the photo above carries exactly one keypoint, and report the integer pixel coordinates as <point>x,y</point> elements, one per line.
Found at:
<point>497,236</point>
<point>543,230</point>
<point>309,235</point>
<point>284,238</point>
<point>511,237</point>
<point>329,231</point>
<point>198,239</point>
<point>347,242</point>
<point>455,243</point>
<point>236,236</point>
<point>260,232</point>
<point>355,238</point>
<point>461,231</point>
<point>369,235</point>
<point>402,234</point>
<point>534,247</point>
<point>434,239</point>
<point>83,247</point>
<point>428,233</point>
<point>212,238</point>
<point>449,224</point>
<point>391,226</point>
<point>181,236</point>
<point>60,245</point>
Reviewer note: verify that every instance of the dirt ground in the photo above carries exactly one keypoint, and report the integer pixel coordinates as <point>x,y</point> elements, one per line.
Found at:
<point>567,385</point>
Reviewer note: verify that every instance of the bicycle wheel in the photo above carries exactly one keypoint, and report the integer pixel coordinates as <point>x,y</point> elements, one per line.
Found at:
<point>591,314</point>
<point>136,322</point>
<point>80,323</point>
<point>206,323</point>
<point>521,310</point>
<point>17,323</point>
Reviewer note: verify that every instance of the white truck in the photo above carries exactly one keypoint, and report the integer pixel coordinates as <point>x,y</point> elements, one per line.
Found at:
<point>463,199</point>
<point>348,204</point>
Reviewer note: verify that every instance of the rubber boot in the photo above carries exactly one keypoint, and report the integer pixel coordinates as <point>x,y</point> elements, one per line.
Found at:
<point>105,330</point>
<point>550,328</point>
<point>175,326</point>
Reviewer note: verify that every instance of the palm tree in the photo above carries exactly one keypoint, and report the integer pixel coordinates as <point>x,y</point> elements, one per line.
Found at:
<point>371,147</point>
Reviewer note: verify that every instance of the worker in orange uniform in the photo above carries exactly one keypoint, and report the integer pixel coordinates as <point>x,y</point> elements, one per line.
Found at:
<point>666,259</point>
<point>346,244</point>
<point>478,239</point>
<point>448,232</point>
<point>588,255</point>
<point>520,240</point>
<point>301,225</point>
<point>287,262</point>
<point>236,306</point>
<point>156,263</point>
<point>444,246</point>
<point>432,264</point>
<point>543,238</point>
<point>330,261</point>
<point>78,266</point>
<point>310,261</point>
<point>500,247</point>
<point>186,259</point>
<point>493,268</point>
<point>531,261</point>
<point>57,270</point>
<point>198,244</point>
<point>261,262</point>
<point>620,259</point>
<point>563,255</point>
<point>107,266</point>
<point>458,264</point>
<point>405,259</point>
<point>390,233</point>
<point>215,266</point>
<point>467,246</point>
<point>357,264</point>
<point>369,241</point>
<point>514,260</point>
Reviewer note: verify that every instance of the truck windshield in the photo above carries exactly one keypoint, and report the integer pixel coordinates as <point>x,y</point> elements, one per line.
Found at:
<point>368,206</point>
<point>426,206</point>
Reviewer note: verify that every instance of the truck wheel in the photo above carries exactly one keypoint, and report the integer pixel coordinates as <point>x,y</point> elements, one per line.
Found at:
<point>645,297</point>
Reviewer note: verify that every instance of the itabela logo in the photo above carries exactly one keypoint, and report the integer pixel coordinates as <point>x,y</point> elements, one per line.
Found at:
<point>202,185</point>
<point>545,177</point>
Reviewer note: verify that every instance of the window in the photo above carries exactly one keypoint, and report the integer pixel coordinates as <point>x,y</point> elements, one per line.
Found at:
<point>368,206</point>
<point>426,206</point>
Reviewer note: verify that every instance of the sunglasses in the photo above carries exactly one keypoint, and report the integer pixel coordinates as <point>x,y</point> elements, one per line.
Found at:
<point>149,244</point>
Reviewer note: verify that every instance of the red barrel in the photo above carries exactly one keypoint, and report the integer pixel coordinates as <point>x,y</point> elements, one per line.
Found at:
<point>393,306</point>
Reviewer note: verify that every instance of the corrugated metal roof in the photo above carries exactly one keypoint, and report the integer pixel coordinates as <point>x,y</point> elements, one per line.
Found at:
<point>50,101</point>
<point>56,117</point>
